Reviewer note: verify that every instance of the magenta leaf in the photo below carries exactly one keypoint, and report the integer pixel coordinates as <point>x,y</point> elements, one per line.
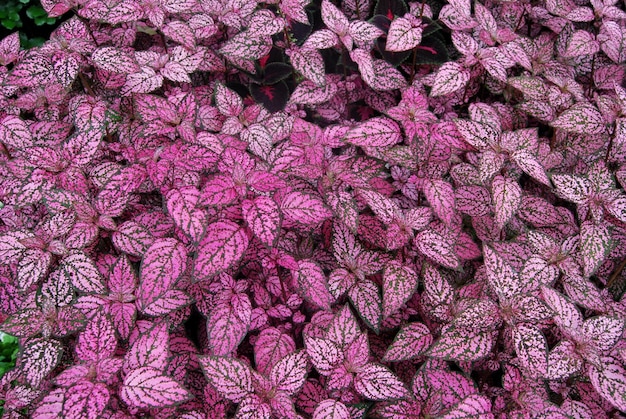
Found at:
<point>365,298</point>
<point>458,344</point>
<point>324,354</point>
<point>114,60</point>
<point>412,340</point>
<point>223,245</point>
<point>610,382</point>
<point>161,267</point>
<point>399,284</point>
<point>375,132</point>
<point>289,374</point>
<point>595,245</point>
<point>85,400</point>
<point>98,340</point>
<point>331,409</point>
<point>271,346</point>
<point>181,205</point>
<point>473,406</point>
<point>507,197</point>
<point>450,77</point>
<point>82,272</point>
<point>231,377</point>
<point>15,133</point>
<point>40,357</point>
<point>477,134</point>
<point>377,382</point>
<point>304,208</point>
<point>531,348</point>
<point>147,387</point>
<point>263,218</point>
<point>313,284</point>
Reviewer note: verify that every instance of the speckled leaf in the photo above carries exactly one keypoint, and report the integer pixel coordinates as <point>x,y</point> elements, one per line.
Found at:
<point>412,340</point>
<point>531,348</point>
<point>500,274</point>
<point>581,118</point>
<point>40,356</point>
<point>573,188</point>
<point>402,35</point>
<point>375,132</point>
<point>115,60</point>
<point>289,374</point>
<point>450,77</point>
<point>437,248</point>
<point>223,245</point>
<point>85,400</point>
<point>150,349</point>
<point>344,327</point>
<point>566,313</point>
<point>310,64</point>
<point>478,135</point>
<point>304,208</point>
<point>147,387</point>
<point>161,267</point>
<point>440,196</point>
<point>324,354</point>
<point>610,382</point>
<point>331,409</point>
<point>595,245</point>
<point>230,376</point>
<point>82,272</point>
<point>462,345</point>
<point>270,346</point>
<point>603,331</point>
<point>98,340</point>
<point>365,298</point>
<point>263,218</point>
<point>475,406</point>
<point>399,284</point>
<point>181,205</point>
<point>226,329</point>
<point>507,197</point>
<point>313,284</point>
<point>228,102</point>
<point>377,382</point>
<point>132,238</point>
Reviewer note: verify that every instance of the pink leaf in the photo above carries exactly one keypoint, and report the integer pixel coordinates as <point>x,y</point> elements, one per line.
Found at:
<point>324,354</point>
<point>271,346</point>
<point>181,204</point>
<point>147,387</point>
<point>331,409</point>
<point>304,208</point>
<point>226,329</point>
<point>82,273</point>
<point>450,77</point>
<point>581,42</point>
<point>310,64</point>
<point>399,284</point>
<point>507,197</point>
<point>231,377</point>
<point>289,374</point>
<point>115,60</point>
<point>223,245</point>
<point>132,238</point>
<point>313,284</point>
<point>334,18</point>
<point>610,382</point>
<point>595,245</point>
<point>39,358</point>
<point>85,400</point>
<point>459,344</point>
<point>98,340</point>
<point>377,382</point>
<point>603,331</point>
<point>440,196</point>
<point>573,188</point>
<point>150,349</point>
<point>473,406</point>
<point>375,132</point>
<point>567,315</point>
<point>437,248</point>
<point>477,134</point>
<point>402,35</point>
<point>144,81</point>
<point>263,218</point>
<point>161,267</point>
<point>228,102</point>
<point>412,340</point>
<point>15,133</point>
<point>500,274</point>
<point>531,348</point>
<point>581,118</point>
<point>365,298</point>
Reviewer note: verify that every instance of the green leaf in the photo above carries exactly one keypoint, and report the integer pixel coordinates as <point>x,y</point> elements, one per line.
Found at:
<point>35,11</point>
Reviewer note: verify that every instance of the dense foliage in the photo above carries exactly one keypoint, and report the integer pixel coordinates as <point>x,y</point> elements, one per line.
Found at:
<point>283,209</point>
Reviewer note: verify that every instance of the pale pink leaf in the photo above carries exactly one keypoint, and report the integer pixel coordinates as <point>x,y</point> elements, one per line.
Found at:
<point>150,349</point>
<point>39,358</point>
<point>610,382</point>
<point>375,132</point>
<point>324,354</point>
<point>15,133</point>
<point>147,387</point>
<point>507,197</point>
<point>595,245</point>
<point>473,406</point>
<point>230,376</point>
<point>581,42</point>
<point>181,205</point>
<point>440,196</point>
<point>477,134</point>
<point>228,102</point>
<point>289,374</point>
<point>271,346</point>
<point>603,331</point>
<point>377,382</point>
<point>82,272</point>
<point>573,188</point>
<point>313,284</point>
<point>402,35</point>
<point>223,245</point>
<point>334,18</point>
<point>437,248</point>
<point>450,77</point>
<point>226,329</point>
<point>399,284</point>
<point>132,238</point>
<point>331,409</point>
<point>344,328</point>
<point>412,340</point>
<point>500,274</point>
<point>115,60</point>
<point>85,400</point>
<point>263,218</point>
<point>531,165</point>
<point>581,118</point>
<point>310,64</point>
<point>457,344</point>
<point>531,348</point>
<point>365,298</point>
<point>305,208</point>
<point>566,314</point>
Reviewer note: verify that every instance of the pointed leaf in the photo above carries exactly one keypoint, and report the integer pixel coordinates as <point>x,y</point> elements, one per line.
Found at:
<point>377,382</point>
<point>412,340</point>
<point>223,245</point>
<point>263,218</point>
<point>399,284</point>
<point>375,132</point>
<point>147,387</point>
<point>231,377</point>
<point>313,284</point>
